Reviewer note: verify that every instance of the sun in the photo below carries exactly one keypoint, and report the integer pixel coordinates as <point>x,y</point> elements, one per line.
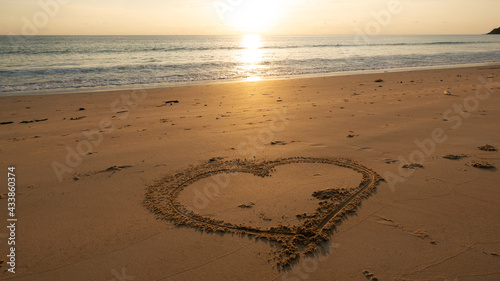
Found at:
<point>255,16</point>
<point>252,41</point>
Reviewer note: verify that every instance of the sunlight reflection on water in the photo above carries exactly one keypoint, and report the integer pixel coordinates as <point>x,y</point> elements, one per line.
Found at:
<point>252,56</point>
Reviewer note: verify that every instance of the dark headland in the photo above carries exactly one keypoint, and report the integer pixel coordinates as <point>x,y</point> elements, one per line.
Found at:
<point>495,31</point>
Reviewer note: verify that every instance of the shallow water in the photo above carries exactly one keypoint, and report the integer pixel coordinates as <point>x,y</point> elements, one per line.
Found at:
<point>30,64</point>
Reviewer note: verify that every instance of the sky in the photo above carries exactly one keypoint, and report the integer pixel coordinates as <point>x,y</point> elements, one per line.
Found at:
<point>233,17</point>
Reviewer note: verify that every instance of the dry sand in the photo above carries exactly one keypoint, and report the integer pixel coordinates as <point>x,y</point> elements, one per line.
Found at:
<point>128,160</point>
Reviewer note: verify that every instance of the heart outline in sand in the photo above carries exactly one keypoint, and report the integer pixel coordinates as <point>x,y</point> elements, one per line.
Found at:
<point>293,241</point>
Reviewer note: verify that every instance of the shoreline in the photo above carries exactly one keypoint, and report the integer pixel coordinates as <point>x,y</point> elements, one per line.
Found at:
<point>101,89</point>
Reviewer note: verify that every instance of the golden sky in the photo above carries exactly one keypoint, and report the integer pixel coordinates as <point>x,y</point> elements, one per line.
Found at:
<point>207,17</point>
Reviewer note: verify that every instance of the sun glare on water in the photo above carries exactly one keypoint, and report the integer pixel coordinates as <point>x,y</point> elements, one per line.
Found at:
<point>251,55</point>
<point>251,41</point>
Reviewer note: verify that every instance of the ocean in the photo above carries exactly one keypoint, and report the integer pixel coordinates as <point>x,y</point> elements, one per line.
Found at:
<point>51,64</point>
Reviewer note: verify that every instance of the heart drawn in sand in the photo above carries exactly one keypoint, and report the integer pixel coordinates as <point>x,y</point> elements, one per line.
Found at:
<point>291,241</point>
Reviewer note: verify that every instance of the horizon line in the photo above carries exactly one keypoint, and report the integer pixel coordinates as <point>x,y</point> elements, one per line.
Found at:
<point>242,34</point>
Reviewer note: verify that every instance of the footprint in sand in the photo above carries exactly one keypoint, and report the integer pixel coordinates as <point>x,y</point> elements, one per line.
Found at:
<point>77,118</point>
<point>454,156</point>
<point>482,165</point>
<point>278,143</point>
<point>487,147</point>
<point>370,276</point>
<point>412,166</point>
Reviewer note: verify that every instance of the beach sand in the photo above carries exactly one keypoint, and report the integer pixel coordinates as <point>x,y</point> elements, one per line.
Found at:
<point>98,173</point>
